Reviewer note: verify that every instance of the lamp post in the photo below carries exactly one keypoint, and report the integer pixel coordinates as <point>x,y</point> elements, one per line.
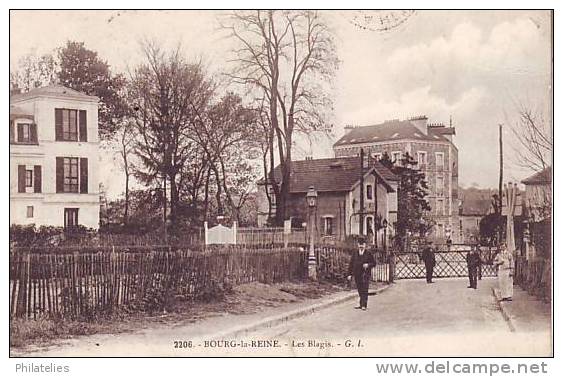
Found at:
<point>385,235</point>
<point>311,204</point>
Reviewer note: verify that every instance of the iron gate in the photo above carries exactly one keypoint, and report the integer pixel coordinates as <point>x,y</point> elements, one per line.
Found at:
<point>449,263</point>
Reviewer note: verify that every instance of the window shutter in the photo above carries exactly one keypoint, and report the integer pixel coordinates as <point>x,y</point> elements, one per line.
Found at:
<point>58,124</point>
<point>21,178</point>
<point>20,133</point>
<point>59,175</point>
<point>37,178</point>
<point>82,125</point>
<point>33,133</point>
<point>83,175</point>
<point>12,132</point>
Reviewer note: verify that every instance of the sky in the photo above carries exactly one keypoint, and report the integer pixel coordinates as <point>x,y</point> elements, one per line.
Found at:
<point>472,66</point>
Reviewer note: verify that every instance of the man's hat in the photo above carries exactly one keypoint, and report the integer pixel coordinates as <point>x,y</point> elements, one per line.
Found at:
<point>361,239</point>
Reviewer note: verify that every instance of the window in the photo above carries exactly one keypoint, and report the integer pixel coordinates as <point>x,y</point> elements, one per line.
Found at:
<point>439,186</point>
<point>369,226</point>
<point>421,159</point>
<point>29,212</point>
<point>328,230</point>
<point>71,217</point>
<point>70,124</point>
<point>396,158</point>
<point>439,160</point>
<point>440,230</point>
<point>29,178</point>
<point>25,133</point>
<point>70,174</point>
<point>369,192</point>
<point>439,206</point>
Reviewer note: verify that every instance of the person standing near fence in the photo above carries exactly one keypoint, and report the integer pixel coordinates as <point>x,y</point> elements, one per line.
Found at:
<point>505,262</point>
<point>429,261</point>
<point>360,266</point>
<point>473,265</point>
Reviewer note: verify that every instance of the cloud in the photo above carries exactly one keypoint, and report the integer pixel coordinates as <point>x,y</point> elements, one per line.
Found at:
<point>449,64</point>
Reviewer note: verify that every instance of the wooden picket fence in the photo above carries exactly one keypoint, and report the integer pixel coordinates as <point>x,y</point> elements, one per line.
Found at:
<point>80,284</point>
<point>270,237</point>
<point>534,276</point>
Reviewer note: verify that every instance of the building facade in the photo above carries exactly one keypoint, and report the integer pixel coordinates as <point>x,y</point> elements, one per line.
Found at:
<point>337,182</point>
<point>431,145</point>
<point>54,158</point>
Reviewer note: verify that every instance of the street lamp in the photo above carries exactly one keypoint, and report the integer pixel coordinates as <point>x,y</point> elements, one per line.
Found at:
<point>312,203</point>
<point>385,223</point>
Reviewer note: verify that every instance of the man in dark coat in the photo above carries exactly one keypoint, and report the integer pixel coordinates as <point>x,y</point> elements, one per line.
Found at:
<point>360,266</point>
<point>429,261</point>
<point>473,265</point>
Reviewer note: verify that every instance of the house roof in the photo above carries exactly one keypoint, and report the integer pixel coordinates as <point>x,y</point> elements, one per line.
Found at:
<point>542,177</point>
<point>392,130</point>
<point>331,174</point>
<point>53,91</point>
<point>18,113</point>
<point>475,207</point>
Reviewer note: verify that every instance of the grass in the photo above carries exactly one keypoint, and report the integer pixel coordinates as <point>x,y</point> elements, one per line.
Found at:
<point>243,299</point>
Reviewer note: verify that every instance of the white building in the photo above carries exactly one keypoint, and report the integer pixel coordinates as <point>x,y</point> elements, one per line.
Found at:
<point>54,158</point>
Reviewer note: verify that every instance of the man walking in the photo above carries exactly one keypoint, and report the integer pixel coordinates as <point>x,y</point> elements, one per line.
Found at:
<point>360,266</point>
<point>473,265</point>
<point>429,261</point>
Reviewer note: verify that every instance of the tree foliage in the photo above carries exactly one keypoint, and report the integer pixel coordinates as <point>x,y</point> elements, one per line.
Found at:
<point>413,208</point>
<point>34,71</point>
<point>83,70</point>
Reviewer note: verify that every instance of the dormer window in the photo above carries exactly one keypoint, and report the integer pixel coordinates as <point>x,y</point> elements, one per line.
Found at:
<point>25,133</point>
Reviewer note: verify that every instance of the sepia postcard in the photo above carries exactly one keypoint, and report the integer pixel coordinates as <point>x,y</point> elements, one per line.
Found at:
<point>282,183</point>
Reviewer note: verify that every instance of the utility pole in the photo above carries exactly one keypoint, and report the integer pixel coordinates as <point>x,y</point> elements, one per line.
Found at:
<point>361,191</point>
<point>500,182</point>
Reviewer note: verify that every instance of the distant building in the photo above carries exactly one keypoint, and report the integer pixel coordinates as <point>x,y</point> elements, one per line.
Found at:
<point>431,145</point>
<point>471,212</point>
<point>54,158</point>
<point>337,182</point>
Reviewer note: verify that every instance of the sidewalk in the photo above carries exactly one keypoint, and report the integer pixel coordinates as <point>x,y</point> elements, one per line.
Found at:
<point>158,340</point>
<point>525,313</point>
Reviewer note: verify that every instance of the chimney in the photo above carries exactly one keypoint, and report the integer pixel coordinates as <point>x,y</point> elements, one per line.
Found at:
<point>348,128</point>
<point>420,122</point>
<point>15,91</point>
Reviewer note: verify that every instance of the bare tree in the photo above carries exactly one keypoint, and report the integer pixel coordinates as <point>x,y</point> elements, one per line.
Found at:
<point>126,138</point>
<point>34,71</point>
<point>534,144</point>
<point>290,57</point>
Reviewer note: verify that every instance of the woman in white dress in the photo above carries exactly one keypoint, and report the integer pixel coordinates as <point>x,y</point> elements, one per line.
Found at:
<point>505,263</point>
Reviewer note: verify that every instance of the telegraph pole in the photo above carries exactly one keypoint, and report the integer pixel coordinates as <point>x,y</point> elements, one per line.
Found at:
<point>500,181</point>
<point>361,191</point>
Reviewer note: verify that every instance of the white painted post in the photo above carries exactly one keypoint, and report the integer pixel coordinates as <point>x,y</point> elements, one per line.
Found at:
<point>205,232</point>
<point>235,232</point>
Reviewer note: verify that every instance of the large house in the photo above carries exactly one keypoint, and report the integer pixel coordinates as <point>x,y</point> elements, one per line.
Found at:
<point>54,158</point>
<point>431,145</point>
<point>337,182</point>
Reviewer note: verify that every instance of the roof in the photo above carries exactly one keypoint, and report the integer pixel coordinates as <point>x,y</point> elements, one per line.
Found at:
<point>475,207</point>
<point>542,177</point>
<point>391,130</point>
<point>331,174</point>
<point>18,113</point>
<point>53,91</point>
